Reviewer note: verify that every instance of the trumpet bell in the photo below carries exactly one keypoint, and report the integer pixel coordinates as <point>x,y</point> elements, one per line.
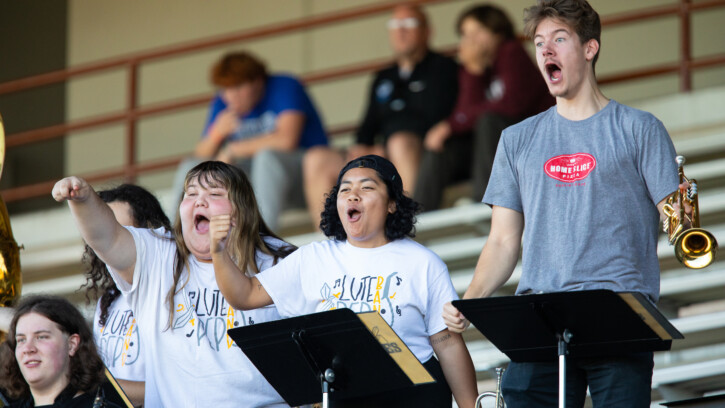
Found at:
<point>696,248</point>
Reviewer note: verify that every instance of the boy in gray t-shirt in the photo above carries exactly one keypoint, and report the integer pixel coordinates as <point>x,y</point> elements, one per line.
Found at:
<point>588,190</point>
<point>588,178</point>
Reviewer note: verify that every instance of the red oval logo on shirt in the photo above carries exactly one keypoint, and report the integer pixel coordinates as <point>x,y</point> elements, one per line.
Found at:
<point>570,167</point>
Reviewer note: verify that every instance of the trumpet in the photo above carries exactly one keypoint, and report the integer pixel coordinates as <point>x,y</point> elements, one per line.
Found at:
<point>694,247</point>
<point>499,403</point>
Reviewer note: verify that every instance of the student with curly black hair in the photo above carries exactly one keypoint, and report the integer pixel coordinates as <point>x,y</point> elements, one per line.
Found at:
<point>114,325</point>
<point>49,358</point>
<point>370,263</point>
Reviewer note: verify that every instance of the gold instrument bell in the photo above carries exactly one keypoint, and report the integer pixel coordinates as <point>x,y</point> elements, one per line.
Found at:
<point>694,247</point>
<point>10,282</point>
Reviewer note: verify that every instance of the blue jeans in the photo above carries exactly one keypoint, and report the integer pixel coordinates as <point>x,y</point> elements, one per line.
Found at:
<point>623,381</point>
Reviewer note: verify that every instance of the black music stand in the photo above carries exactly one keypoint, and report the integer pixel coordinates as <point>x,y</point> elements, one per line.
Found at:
<point>332,351</point>
<point>585,323</point>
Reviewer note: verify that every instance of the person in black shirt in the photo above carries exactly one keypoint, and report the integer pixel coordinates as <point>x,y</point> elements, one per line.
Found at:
<point>409,97</point>
<point>49,357</point>
<point>405,100</point>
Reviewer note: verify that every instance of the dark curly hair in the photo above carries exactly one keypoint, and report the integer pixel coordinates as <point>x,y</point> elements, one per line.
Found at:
<point>86,367</point>
<point>399,224</point>
<point>146,213</point>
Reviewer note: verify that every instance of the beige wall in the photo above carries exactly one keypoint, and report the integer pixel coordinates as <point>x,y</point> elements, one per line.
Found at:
<point>103,29</point>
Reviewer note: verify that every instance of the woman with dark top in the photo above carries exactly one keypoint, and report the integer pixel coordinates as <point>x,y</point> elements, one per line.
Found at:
<point>49,358</point>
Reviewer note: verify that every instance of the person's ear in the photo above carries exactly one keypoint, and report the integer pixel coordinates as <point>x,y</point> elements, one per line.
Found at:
<point>392,207</point>
<point>74,341</point>
<point>591,49</point>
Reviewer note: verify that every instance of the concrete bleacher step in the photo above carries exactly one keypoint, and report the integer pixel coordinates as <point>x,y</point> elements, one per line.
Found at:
<point>701,143</point>
<point>690,286</point>
<point>695,375</point>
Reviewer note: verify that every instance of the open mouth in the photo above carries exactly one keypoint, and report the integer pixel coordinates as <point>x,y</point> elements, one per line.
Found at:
<point>353,214</point>
<point>201,223</point>
<point>553,71</point>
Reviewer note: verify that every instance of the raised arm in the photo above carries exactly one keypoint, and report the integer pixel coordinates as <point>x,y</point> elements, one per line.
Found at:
<point>97,225</point>
<point>457,366</point>
<point>239,290</point>
<point>495,264</point>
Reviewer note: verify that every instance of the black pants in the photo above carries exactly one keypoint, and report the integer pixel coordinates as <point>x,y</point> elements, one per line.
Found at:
<point>614,382</point>
<point>463,157</point>
<point>433,395</point>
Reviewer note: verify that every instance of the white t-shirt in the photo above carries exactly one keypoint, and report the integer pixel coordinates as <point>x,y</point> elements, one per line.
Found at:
<point>404,281</point>
<point>118,341</point>
<point>194,363</point>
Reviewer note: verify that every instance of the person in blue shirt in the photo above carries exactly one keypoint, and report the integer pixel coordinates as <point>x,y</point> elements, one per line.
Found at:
<point>262,123</point>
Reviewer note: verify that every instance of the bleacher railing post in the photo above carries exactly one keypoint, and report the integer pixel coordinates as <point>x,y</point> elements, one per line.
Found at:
<point>131,104</point>
<point>685,46</point>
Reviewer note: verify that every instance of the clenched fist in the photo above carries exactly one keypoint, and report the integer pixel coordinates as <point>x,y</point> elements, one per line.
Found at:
<point>219,228</point>
<point>72,188</point>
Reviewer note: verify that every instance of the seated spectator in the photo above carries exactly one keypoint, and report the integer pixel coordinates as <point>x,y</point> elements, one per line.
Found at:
<point>261,123</point>
<point>405,101</point>
<point>114,325</point>
<point>499,85</point>
<point>49,358</point>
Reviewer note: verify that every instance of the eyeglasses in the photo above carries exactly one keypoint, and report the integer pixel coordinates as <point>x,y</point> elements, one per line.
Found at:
<point>398,23</point>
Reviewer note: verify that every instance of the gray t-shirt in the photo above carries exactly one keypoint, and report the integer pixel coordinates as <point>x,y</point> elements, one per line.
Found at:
<point>588,190</point>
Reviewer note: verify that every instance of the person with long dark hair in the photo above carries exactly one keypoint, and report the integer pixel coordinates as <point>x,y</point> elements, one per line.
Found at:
<point>171,287</point>
<point>369,263</point>
<point>49,358</point>
<point>114,325</point>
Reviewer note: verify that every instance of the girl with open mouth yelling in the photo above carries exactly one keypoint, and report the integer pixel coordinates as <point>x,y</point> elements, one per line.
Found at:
<point>370,263</point>
<point>169,282</point>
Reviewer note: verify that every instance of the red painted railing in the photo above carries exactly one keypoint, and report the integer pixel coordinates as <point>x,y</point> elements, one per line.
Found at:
<point>133,112</point>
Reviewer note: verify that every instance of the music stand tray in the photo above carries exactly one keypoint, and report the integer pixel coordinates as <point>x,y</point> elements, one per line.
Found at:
<point>586,323</point>
<point>338,350</point>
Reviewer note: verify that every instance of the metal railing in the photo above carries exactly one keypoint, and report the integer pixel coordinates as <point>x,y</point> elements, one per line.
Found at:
<point>133,112</point>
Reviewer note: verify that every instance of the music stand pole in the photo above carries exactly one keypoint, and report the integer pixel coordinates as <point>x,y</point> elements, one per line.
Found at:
<point>327,379</point>
<point>563,350</point>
